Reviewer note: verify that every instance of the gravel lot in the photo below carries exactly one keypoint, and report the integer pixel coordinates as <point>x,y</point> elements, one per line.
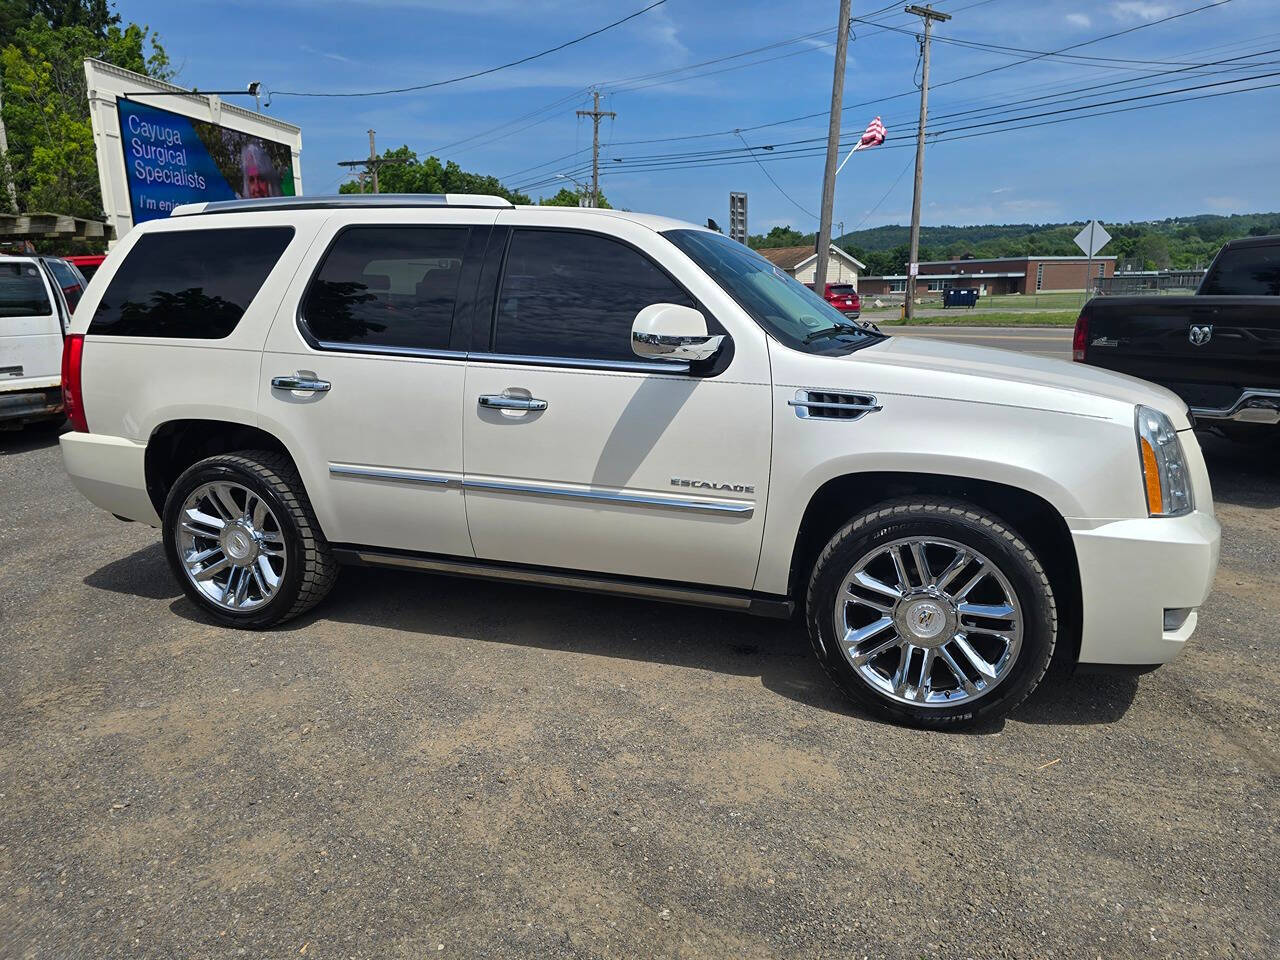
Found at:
<point>432,767</point>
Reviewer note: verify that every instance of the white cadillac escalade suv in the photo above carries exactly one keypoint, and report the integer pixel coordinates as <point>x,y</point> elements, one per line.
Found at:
<point>611,401</point>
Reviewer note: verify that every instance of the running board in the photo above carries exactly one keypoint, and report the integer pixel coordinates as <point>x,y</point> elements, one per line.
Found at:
<point>740,600</point>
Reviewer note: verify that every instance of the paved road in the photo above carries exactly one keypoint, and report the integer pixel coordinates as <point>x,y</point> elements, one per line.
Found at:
<point>1042,341</point>
<point>432,767</point>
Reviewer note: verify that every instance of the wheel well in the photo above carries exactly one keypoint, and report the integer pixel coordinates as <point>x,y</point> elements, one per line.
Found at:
<point>1033,517</point>
<point>178,444</point>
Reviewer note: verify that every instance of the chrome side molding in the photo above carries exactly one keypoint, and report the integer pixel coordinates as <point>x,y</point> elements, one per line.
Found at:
<point>742,508</point>
<point>360,471</point>
<point>364,472</point>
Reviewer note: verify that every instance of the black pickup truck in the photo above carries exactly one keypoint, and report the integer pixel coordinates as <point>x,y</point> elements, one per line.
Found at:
<point>1218,350</point>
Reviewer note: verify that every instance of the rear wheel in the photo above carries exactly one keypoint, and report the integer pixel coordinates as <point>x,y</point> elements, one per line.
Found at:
<point>932,612</point>
<point>243,541</point>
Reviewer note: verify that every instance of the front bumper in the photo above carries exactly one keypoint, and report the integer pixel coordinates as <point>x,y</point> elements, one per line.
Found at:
<point>1131,571</point>
<point>111,473</point>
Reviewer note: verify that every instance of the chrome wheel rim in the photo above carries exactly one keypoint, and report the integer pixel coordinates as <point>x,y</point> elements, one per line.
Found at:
<point>928,622</point>
<point>231,546</point>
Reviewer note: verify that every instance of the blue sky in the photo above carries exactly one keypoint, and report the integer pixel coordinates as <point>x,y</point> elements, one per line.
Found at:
<point>1211,156</point>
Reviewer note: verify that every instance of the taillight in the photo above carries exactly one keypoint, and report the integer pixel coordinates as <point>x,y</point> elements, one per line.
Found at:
<point>72,394</point>
<point>1080,340</point>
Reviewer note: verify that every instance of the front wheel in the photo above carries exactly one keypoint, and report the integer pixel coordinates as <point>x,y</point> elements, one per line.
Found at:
<point>932,612</point>
<point>241,538</point>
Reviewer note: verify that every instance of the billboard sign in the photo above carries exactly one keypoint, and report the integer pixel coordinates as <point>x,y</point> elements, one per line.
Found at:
<point>172,159</point>
<point>159,145</point>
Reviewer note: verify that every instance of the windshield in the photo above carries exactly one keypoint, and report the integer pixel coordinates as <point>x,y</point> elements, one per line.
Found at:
<point>781,304</point>
<point>844,289</point>
<point>22,292</point>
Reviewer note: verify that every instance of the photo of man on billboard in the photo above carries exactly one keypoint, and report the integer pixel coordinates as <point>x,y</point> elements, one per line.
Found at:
<point>260,176</point>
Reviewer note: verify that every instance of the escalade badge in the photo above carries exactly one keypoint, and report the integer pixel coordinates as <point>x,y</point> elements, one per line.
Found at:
<point>1200,335</point>
<point>711,485</point>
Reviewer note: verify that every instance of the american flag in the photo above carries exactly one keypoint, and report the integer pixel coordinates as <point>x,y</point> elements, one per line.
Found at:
<point>874,135</point>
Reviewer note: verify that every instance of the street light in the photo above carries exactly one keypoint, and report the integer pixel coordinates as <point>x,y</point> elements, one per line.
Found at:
<point>582,187</point>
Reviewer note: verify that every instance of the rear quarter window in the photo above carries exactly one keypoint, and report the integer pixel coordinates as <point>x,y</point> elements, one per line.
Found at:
<point>22,291</point>
<point>192,284</point>
<point>1248,271</point>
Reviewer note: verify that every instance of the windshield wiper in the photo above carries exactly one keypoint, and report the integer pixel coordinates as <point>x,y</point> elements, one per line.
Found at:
<point>830,332</point>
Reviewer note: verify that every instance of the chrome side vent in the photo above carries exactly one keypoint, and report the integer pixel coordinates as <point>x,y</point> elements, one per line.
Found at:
<point>830,405</point>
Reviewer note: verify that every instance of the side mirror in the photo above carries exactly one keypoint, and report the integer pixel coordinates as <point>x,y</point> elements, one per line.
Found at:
<point>668,331</point>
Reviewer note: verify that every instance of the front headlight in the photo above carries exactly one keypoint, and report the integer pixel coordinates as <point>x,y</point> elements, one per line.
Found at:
<point>1164,467</point>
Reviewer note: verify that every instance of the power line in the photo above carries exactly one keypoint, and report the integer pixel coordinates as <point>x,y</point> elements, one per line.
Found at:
<point>897,180</point>
<point>775,182</point>
<point>478,73</point>
<point>945,83</point>
<point>965,132</point>
<point>1064,96</point>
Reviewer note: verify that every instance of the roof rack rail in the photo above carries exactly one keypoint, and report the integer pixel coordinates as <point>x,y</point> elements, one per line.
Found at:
<point>342,201</point>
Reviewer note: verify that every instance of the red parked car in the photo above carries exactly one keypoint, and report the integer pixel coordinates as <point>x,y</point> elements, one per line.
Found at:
<point>86,263</point>
<point>844,298</point>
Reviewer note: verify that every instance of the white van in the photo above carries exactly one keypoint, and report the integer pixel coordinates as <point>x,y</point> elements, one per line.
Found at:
<point>604,400</point>
<point>33,321</point>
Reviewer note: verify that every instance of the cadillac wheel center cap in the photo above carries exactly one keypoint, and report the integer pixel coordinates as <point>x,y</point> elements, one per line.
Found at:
<point>239,545</point>
<point>923,620</point>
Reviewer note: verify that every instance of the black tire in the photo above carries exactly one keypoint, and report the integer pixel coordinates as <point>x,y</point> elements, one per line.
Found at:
<point>962,523</point>
<point>310,569</point>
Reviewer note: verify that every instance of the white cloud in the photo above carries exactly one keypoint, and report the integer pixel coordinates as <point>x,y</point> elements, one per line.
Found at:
<point>1079,20</point>
<point>1139,10</point>
<point>324,53</point>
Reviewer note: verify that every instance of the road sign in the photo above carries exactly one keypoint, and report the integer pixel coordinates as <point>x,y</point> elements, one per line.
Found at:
<point>1092,238</point>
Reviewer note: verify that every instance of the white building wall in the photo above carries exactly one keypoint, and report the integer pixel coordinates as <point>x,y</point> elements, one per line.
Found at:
<point>839,270</point>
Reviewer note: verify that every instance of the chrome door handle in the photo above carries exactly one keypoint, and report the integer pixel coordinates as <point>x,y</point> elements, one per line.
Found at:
<point>502,401</point>
<point>300,383</point>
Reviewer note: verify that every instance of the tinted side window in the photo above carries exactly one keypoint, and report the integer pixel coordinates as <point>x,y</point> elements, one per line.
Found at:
<point>1245,272</point>
<point>387,286</point>
<point>576,295</point>
<point>22,291</point>
<point>68,280</point>
<point>194,284</point>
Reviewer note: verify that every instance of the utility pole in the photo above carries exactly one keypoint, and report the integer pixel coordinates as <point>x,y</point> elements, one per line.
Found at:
<point>371,165</point>
<point>595,113</point>
<point>928,14</point>
<point>833,154</point>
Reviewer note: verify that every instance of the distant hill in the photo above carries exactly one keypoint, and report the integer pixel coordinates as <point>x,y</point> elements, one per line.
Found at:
<point>1179,242</point>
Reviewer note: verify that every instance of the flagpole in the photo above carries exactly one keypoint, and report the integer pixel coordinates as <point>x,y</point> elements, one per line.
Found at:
<point>856,147</point>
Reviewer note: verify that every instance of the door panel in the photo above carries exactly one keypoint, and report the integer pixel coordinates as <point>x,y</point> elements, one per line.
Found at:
<point>602,478</point>
<point>30,328</point>
<point>381,450</point>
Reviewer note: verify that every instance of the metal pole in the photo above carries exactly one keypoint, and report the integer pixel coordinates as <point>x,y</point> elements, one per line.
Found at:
<point>1088,270</point>
<point>833,154</point>
<point>913,262</point>
<point>373,162</point>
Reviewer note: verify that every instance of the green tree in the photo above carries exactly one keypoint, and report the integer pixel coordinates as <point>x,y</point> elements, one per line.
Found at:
<point>1153,249</point>
<point>413,175</point>
<point>51,160</point>
<point>569,198</point>
<point>781,237</point>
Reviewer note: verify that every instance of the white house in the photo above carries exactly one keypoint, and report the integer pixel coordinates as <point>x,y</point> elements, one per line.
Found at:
<point>801,262</point>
